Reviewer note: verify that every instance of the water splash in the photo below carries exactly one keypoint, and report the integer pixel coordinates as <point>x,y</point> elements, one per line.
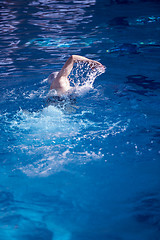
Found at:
<point>48,121</point>
<point>83,75</point>
<point>49,140</point>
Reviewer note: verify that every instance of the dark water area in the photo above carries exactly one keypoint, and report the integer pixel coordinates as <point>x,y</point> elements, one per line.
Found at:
<point>90,170</point>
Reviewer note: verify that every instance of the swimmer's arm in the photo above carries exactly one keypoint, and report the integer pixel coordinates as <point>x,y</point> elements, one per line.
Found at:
<point>61,78</point>
<point>67,68</point>
<point>93,64</point>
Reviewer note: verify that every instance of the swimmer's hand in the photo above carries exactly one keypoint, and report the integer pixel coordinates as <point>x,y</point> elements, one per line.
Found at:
<point>97,66</point>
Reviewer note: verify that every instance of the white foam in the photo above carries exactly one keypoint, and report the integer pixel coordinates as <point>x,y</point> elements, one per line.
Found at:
<point>49,140</point>
<point>49,120</point>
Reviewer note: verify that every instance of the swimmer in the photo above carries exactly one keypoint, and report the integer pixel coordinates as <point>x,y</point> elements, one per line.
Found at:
<point>59,80</point>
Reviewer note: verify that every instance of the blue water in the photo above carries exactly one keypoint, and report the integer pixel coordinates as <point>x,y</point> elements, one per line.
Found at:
<point>90,170</point>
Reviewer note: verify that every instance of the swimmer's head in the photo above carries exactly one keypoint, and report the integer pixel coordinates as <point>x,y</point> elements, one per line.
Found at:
<point>52,76</point>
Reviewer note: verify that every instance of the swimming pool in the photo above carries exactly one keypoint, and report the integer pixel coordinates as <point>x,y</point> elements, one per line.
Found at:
<point>89,171</point>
